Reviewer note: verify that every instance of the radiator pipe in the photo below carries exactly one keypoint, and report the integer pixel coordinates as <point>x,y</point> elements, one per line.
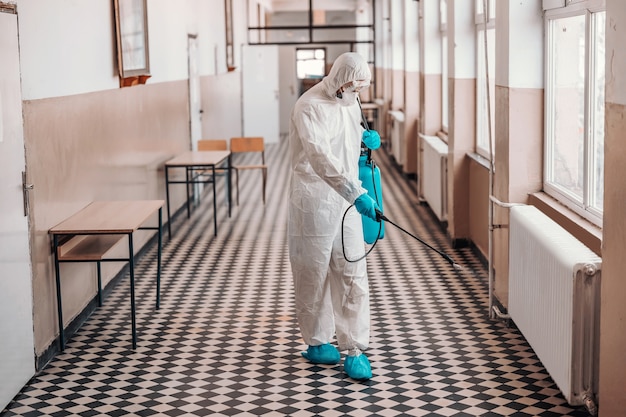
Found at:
<point>590,403</point>
<point>494,311</point>
<point>499,314</point>
<point>503,204</point>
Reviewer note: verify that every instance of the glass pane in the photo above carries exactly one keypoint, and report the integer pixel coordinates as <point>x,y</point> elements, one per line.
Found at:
<point>597,113</point>
<point>482,120</point>
<point>310,69</point>
<point>305,54</point>
<point>568,105</point>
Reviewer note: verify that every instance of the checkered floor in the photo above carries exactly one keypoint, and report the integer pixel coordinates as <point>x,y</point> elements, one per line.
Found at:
<point>225,340</point>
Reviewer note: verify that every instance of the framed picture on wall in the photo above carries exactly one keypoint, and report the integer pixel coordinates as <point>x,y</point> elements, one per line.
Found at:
<point>133,59</point>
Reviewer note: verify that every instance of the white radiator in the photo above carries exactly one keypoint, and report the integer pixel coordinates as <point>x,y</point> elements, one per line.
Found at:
<point>397,137</point>
<point>435,175</point>
<point>554,299</point>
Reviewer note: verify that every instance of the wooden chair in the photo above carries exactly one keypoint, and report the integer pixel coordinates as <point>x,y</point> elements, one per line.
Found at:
<point>212,145</point>
<point>248,145</point>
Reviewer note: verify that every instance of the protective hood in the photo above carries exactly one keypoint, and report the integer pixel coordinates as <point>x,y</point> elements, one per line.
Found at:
<point>348,67</point>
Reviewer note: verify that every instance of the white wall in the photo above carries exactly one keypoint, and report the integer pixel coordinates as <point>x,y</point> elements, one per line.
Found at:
<point>68,47</point>
<point>397,35</point>
<point>520,44</point>
<point>461,40</point>
<point>431,37</point>
<point>411,36</point>
<point>57,59</point>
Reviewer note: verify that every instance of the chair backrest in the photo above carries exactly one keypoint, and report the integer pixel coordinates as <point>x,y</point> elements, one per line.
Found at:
<point>247,144</point>
<point>212,145</point>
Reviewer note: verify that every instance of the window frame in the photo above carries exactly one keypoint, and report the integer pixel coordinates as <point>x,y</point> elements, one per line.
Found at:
<point>580,205</point>
<point>484,123</point>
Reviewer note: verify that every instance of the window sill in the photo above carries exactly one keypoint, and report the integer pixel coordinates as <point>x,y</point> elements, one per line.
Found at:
<point>479,159</point>
<point>582,229</point>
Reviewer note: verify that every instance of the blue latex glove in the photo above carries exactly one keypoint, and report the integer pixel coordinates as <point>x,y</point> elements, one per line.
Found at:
<point>366,206</point>
<point>371,139</point>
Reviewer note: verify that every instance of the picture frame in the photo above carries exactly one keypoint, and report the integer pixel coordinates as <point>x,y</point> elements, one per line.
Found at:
<point>133,58</point>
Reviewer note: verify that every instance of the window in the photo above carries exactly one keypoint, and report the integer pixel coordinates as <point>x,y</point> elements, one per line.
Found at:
<point>443,10</point>
<point>310,63</point>
<point>574,143</point>
<point>485,76</point>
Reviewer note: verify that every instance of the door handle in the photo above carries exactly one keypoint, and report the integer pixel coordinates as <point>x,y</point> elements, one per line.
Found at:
<point>25,189</point>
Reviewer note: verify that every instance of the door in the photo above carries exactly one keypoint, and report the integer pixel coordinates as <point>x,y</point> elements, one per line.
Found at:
<point>195,99</point>
<point>261,112</point>
<point>17,364</point>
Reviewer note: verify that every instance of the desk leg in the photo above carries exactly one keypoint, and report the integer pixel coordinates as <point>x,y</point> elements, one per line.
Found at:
<point>158,295</point>
<point>58,282</point>
<point>214,201</point>
<point>167,196</point>
<point>131,260</point>
<point>99,284</point>
<point>187,185</point>
<point>230,185</point>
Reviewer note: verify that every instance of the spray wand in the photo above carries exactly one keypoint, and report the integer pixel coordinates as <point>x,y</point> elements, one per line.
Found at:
<point>380,216</point>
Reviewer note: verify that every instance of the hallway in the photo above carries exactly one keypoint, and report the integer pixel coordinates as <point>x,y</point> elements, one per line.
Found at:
<point>225,341</point>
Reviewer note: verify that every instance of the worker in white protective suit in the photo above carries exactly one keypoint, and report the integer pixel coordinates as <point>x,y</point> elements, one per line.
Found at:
<point>331,294</point>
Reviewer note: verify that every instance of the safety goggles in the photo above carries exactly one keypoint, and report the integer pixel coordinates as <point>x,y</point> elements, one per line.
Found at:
<point>354,86</point>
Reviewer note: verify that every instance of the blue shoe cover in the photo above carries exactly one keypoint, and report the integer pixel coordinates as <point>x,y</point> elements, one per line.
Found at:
<point>326,354</point>
<point>358,367</point>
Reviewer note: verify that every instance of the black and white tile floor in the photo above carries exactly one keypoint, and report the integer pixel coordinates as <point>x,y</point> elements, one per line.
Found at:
<point>225,340</point>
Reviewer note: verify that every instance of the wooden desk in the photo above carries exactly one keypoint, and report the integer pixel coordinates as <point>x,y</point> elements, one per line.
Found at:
<point>193,162</point>
<point>90,233</point>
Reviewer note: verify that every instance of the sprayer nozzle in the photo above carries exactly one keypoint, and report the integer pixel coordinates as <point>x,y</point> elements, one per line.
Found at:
<point>457,266</point>
<point>380,216</point>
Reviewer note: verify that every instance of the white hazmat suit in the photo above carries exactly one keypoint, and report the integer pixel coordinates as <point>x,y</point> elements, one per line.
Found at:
<point>331,294</point>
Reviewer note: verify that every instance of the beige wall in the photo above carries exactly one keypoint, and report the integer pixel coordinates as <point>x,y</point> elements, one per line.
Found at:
<point>430,103</point>
<point>613,311</point>
<point>430,115</point>
<point>411,113</point>
<point>397,89</point>
<point>479,206</point>
<point>461,133</point>
<point>613,308</point>
<point>104,145</point>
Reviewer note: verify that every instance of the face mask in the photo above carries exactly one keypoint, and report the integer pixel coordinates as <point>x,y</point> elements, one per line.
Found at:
<point>347,98</point>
